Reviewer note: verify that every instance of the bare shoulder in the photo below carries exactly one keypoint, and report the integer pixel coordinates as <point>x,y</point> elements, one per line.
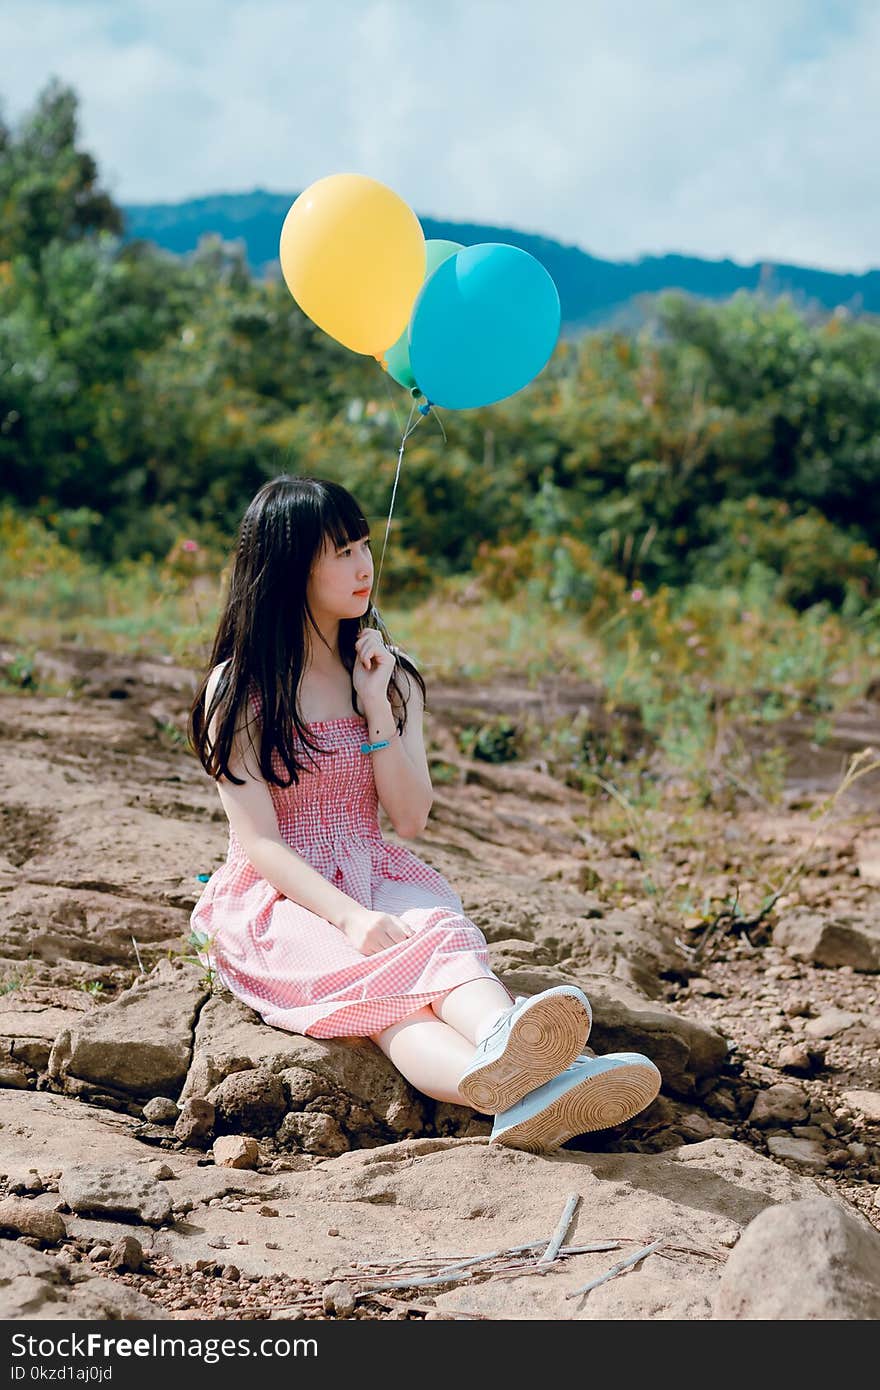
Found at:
<point>244,756</point>
<point>248,802</point>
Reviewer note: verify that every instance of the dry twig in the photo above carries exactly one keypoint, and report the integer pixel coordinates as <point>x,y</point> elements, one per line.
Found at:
<point>561,1231</point>
<point>617,1269</point>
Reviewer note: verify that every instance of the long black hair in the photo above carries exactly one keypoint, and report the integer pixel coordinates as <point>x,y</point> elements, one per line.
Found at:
<point>261,634</point>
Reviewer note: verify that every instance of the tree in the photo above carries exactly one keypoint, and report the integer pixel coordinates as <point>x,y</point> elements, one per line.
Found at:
<point>49,188</point>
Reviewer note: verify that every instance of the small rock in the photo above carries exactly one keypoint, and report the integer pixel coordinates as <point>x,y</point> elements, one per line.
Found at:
<point>195,1121</point>
<point>729,1239</point>
<point>27,1219</point>
<point>99,1252</point>
<point>252,1100</point>
<point>268,1211</point>
<point>13,1078</point>
<point>699,984</point>
<point>216,1243</point>
<point>161,1110</point>
<point>779,1104</point>
<point>338,1298</point>
<point>804,1152</point>
<point>272,1245</point>
<point>858,1151</point>
<point>865,1103</point>
<point>798,1007</point>
<point>333,1231</point>
<point>838,1157</point>
<point>301,1086</point>
<point>126,1254</point>
<point>694,1125</point>
<point>232,1272</point>
<point>236,1151</point>
<point>814,1132</point>
<point>814,937</point>
<point>160,1171</point>
<point>795,1058</point>
<point>829,1024</point>
<point>314,1132</point>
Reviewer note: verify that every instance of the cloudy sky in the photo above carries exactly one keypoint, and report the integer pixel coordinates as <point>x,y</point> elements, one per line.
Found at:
<point>742,128</point>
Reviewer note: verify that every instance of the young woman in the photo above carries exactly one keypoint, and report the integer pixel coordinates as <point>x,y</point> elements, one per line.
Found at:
<point>307,720</point>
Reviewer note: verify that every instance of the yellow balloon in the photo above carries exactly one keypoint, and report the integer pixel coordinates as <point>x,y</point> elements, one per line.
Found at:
<point>353,257</point>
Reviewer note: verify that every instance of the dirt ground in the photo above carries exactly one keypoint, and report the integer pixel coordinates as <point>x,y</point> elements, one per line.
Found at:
<point>101,722</point>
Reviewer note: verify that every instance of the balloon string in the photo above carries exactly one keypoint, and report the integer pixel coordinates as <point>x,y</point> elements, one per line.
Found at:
<point>440,423</point>
<point>410,427</point>
<point>391,399</point>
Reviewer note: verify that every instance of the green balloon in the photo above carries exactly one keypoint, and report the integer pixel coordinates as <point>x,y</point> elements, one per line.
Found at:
<point>397,356</point>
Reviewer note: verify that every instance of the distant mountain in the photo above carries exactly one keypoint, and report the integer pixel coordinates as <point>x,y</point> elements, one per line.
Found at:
<point>593,292</point>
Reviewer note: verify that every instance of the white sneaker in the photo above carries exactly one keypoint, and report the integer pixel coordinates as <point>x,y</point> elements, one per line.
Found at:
<point>533,1041</point>
<point>593,1093</point>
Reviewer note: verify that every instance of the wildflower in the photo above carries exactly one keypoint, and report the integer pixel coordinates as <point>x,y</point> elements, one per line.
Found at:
<point>190,545</point>
<point>637,595</point>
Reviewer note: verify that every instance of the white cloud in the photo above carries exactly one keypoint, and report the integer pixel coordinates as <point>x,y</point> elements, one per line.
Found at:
<point>625,126</point>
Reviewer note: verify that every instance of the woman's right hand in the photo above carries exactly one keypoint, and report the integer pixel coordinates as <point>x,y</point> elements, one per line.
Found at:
<point>370,931</point>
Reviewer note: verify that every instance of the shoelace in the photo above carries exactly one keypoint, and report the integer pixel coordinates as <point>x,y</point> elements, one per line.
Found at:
<point>518,999</point>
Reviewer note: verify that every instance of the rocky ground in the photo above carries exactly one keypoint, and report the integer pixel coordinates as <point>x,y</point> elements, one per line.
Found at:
<point>164,1152</point>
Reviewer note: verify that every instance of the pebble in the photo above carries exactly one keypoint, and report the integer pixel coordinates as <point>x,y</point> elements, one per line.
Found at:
<point>125,1254</point>
<point>798,1007</point>
<point>795,1057</point>
<point>27,1219</point>
<point>161,1171</point>
<point>831,1023</point>
<point>779,1104</point>
<point>338,1298</point>
<point>236,1151</point>
<point>804,1152</point>
<point>196,1119</point>
<point>865,1103</point>
<point>160,1110</point>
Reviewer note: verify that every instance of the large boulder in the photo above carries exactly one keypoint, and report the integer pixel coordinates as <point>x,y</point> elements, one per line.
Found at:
<point>139,1044</point>
<point>351,1080</point>
<point>806,1260</point>
<point>114,1189</point>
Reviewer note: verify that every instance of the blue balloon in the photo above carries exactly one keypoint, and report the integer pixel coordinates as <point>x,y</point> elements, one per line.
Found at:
<point>483,325</point>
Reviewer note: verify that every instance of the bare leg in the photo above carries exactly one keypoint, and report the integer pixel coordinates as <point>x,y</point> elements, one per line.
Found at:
<point>472,1007</point>
<point>430,1054</point>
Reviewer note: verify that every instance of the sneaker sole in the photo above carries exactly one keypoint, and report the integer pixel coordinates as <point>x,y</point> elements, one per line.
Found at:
<point>542,1042</point>
<point>599,1102</point>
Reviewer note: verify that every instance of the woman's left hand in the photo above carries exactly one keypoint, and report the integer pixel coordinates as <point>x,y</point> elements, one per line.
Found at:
<point>373,667</point>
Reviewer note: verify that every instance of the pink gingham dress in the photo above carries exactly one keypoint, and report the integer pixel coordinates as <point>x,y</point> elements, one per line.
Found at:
<point>294,968</point>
